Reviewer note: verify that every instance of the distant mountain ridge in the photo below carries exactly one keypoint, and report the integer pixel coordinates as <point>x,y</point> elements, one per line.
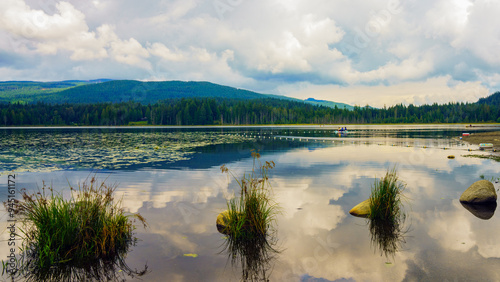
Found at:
<point>107,90</point>
<point>150,92</point>
<point>329,104</point>
<point>113,91</point>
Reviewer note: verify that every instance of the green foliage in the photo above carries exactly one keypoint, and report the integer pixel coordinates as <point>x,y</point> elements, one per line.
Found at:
<point>88,228</point>
<point>491,157</point>
<point>254,212</point>
<point>493,99</point>
<point>250,224</point>
<point>137,123</point>
<point>32,91</point>
<point>117,91</point>
<point>202,103</point>
<point>386,212</point>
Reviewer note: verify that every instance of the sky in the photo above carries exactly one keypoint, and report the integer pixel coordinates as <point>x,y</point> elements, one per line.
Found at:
<point>377,52</point>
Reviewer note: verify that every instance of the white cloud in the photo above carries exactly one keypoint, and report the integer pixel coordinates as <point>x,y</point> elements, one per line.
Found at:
<point>174,11</point>
<point>411,51</point>
<point>162,51</point>
<point>408,69</point>
<point>433,90</point>
<point>480,35</point>
<point>21,20</point>
<point>67,30</point>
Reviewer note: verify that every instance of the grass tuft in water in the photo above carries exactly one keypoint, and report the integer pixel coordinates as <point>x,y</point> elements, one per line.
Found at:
<point>387,216</point>
<point>90,226</point>
<point>253,212</point>
<point>251,218</point>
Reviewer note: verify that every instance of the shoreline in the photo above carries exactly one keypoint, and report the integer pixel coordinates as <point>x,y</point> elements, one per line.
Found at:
<point>466,125</point>
<point>484,137</point>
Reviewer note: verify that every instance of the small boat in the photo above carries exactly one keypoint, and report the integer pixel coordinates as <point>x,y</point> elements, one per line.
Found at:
<point>483,146</point>
<point>341,131</point>
<point>465,134</point>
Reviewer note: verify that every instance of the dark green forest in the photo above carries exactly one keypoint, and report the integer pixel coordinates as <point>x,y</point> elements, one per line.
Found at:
<point>116,91</point>
<point>220,111</point>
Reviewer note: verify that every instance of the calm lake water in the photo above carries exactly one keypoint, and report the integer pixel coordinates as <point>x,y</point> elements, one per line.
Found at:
<point>172,177</point>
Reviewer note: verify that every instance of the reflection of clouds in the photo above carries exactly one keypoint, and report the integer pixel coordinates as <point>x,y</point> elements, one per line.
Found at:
<point>386,156</point>
<point>456,229</point>
<point>451,229</point>
<point>320,240</point>
<point>158,189</point>
<point>303,201</point>
<point>342,253</point>
<point>418,184</point>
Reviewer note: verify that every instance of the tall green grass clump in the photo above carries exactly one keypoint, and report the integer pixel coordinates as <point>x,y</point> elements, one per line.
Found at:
<point>251,222</point>
<point>385,198</point>
<point>386,212</point>
<point>88,227</point>
<point>253,212</point>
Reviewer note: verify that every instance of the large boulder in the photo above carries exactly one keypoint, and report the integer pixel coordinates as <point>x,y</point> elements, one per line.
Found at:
<point>362,209</point>
<point>480,192</point>
<point>222,221</point>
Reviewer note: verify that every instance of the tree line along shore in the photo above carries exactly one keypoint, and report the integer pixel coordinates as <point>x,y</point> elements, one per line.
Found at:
<point>218,111</point>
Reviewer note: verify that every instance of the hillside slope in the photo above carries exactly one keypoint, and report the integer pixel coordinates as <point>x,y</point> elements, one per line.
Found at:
<point>149,92</point>
<point>493,99</point>
<point>329,104</point>
<point>114,91</point>
<point>31,91</point>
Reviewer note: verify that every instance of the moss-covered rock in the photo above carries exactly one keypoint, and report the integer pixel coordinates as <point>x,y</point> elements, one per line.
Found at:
<point>222,222</point>
<point>480,192</point>
<point>362,209</point>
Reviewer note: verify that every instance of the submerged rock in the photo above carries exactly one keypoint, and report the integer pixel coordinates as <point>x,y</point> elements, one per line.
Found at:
<point>222,221</point>
<point>480,192</point>
<point>362,209</point>
<point>482,211</point>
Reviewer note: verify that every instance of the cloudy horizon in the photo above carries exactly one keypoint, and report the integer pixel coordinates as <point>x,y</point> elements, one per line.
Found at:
<point>356,52</point>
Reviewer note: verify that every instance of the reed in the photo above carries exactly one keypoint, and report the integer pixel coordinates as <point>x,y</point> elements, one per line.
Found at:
<point>251,222</point>
<point>386,213</point>
<point>253,212</point>
<point>385,198</point>
<point>90,226</point>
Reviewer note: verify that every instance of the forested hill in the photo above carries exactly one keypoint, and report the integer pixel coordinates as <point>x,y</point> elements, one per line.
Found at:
<point>116,91</point>
<point>203,103</point>
<point>212,111</point>
<point>329,104</point>
<point>149,92</point>
<point>493,99</point>
<point>32,91</point>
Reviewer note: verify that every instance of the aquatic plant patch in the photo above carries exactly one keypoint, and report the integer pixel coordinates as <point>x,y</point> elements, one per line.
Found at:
<point>49,151</point>
<point>254,211</point>
<point>250,222</point>
<point>387,216</point>
<point>87,228</point>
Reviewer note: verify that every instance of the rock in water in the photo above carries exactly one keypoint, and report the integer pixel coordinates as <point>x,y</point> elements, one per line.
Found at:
<point>480,192</point>
<point>362,209</point>
<point>222,221</point>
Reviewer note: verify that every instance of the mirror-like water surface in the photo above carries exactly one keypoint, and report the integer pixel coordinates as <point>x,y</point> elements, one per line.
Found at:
<point>173,179</point>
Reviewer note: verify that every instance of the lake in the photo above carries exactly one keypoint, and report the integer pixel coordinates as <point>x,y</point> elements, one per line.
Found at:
<point>172,177</point>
